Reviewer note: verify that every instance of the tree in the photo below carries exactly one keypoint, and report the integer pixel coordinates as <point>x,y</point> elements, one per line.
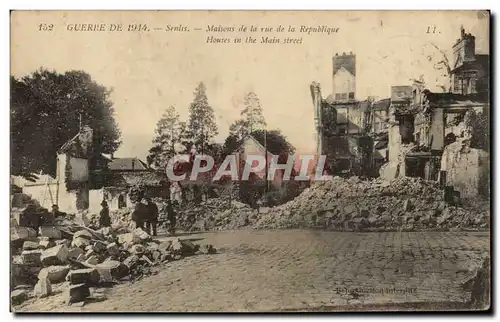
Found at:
<point>201,126</point>
<point>479,124</point>
<point>46,108</point>
<point>170,138</point>
<point>444,65</point>
<point>251,117</point>
<point>231,143</point>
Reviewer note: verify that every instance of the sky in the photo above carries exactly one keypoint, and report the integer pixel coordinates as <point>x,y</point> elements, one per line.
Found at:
<point>150,71</point>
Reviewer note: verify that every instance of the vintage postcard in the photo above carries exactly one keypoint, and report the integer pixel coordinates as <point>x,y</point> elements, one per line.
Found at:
<point>250,161</point>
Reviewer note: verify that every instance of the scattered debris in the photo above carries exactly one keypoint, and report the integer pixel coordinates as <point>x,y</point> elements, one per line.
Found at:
<point>216,214</point>
<point>82,258</point>
<point>354,205</point>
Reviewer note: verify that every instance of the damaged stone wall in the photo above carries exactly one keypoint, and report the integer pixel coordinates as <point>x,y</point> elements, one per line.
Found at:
<point>396,167</point>
<point>467,169</point>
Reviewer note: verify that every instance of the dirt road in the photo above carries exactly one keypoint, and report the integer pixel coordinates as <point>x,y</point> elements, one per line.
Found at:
<point>300,270</point>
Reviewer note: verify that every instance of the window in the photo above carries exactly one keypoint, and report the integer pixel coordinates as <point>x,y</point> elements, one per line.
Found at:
<point>337,96</point>
<point>351,95</point>
<point>344,96</point>
<point>342,130</point>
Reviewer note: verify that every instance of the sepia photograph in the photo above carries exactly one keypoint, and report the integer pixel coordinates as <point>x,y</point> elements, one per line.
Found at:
<point>250,161</point>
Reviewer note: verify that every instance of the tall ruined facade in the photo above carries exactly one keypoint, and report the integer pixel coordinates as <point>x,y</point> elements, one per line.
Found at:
<point>344,77</point>
<point>340,121</point>
<point>469,71</point>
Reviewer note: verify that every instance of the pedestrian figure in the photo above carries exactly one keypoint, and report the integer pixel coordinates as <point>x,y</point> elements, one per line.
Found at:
<point>139,214</point>
<point>105,219</point>
<point>152,217</point>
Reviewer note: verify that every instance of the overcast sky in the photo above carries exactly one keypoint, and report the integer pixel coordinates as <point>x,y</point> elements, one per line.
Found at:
<point>150,71</point>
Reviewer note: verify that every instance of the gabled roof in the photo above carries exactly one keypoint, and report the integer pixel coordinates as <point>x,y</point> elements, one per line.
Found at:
<point>127,164</point>
<point>348,62</point>
<point>251,137</point>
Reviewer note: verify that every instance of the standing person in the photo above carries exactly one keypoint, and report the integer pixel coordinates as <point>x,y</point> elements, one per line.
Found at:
<point>152,217</point>
<point>105,219</point>
<point>171,216</point>
<point>138,215</point>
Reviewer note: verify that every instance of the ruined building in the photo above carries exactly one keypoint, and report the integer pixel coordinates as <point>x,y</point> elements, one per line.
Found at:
<point>469,71</point>
<point>445,136</point>
<point>340,121</point>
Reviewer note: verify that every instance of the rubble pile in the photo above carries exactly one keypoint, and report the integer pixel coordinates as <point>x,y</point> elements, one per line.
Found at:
<point>121,219</point>
<point>216,214</point>
<point>353,205</point>
<point>81,259</point>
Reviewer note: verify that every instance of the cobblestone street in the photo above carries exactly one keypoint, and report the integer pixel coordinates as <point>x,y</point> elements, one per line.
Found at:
<point>300,270</point>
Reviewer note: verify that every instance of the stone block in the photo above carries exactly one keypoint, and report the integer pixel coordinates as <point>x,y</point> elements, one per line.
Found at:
<point>165,246</point>
<point>143,236</point>
<point>100,246</point>
<point>55,256</point>
<point>55,274</point>
<point>63,242</point>
<point>23,218</point>
<point>83,234</point>
<point>88,276</point>
<point>77,293</point>
<point>146,259</point>
<point>131,261</point>
<point>113,249</point>
<point>111,270</point>
<point>50,232</point>
<point>80,242</point>
<point>92,260</point>
<point>18,296</point>
<point>137,249</point>
<point>188,248</point>
<point>22,233</point>
<point>129,238</point>
<point>156,255</point>
<point>30,245</point>
<point>43,288</point>
<point>46,243</point>
<point>31,256</point>
<point>75,252</point>
<point>152,246</point>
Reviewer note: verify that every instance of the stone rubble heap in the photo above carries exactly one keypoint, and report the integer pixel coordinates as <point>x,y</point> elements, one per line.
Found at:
<point>216,214</point>
<point>353,205</point>
<point>82,259</point>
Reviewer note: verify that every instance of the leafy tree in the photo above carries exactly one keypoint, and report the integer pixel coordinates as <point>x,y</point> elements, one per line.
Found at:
<point>170,138</point>
<point>201,125</point>
<point>46,108</point>
<point>251,117</point>
<point>231,143</point>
